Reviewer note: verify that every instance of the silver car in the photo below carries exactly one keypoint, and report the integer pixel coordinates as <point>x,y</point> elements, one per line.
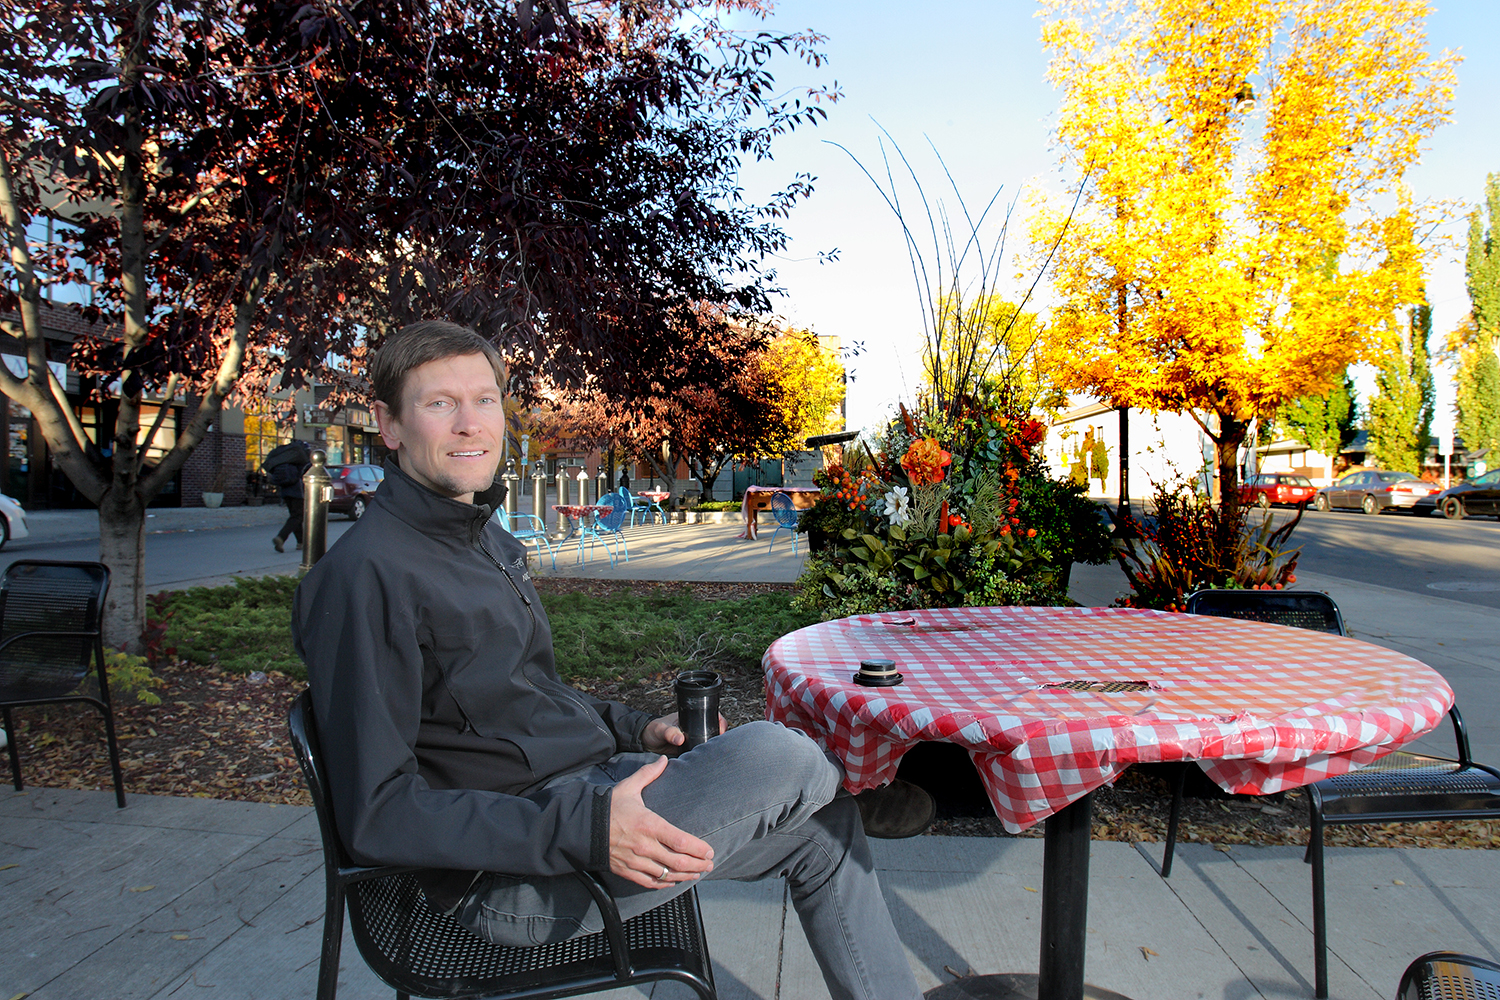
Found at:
<point>1375,490</point>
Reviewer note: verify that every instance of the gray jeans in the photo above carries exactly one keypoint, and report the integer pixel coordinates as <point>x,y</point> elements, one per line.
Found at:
<point>768,801</point>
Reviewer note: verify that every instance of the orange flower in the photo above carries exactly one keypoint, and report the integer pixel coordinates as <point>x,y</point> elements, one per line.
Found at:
<point>924,461</point>
<point>1030,532</point>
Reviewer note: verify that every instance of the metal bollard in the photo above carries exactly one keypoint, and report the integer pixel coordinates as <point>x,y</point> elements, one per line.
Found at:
<point>564,487</point>
<point>317,489</point>
<point>601,485</point>
<point>512,493</point>
<point>585,488</point>
<point>539,495</point>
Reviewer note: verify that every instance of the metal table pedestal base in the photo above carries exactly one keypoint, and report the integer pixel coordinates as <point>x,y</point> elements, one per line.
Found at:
<point>1065,903</point>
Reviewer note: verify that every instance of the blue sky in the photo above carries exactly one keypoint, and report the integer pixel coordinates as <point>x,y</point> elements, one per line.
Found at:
<point>969,76</point>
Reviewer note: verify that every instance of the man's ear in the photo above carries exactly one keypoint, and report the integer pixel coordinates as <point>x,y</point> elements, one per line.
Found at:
<point>390,431</point>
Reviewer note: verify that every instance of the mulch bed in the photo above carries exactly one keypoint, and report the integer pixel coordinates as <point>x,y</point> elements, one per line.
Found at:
<point>223,735</point>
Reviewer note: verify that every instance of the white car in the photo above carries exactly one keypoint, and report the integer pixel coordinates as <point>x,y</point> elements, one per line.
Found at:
<point>12,520</point>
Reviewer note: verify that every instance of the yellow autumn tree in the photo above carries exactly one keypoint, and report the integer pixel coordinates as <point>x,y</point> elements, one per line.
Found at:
<point>1244,231</point>
<point>806,381</point>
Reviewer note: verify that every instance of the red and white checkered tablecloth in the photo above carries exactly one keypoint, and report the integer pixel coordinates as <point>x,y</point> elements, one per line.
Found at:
<point>1260,707</point>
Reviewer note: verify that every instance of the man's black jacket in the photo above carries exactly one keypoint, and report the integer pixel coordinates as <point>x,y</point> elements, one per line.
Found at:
<point>437,700</point>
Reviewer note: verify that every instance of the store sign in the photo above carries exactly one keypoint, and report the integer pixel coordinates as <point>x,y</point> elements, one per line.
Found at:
<point>18,368</point>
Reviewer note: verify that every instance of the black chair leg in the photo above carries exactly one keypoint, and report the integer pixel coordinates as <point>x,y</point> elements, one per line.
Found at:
<point>1172,818</point>
<point>10,749</point>
<point>333,941</point>
<point>1320,916</point>
<point>107,707</point>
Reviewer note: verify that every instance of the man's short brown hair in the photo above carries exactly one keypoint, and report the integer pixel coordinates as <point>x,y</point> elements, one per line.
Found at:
<point>418,343</point>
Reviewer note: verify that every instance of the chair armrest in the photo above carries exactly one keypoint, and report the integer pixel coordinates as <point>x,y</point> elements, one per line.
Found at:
<point>1461,737</point>
<point>614,927</point>
<point>54,635</point>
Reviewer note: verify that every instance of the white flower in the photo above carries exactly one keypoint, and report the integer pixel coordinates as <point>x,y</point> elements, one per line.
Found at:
<point>898,506</point>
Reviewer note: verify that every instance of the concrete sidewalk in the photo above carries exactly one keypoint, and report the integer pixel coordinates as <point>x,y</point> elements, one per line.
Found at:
<point>710,552</point>
<point>200,898</point>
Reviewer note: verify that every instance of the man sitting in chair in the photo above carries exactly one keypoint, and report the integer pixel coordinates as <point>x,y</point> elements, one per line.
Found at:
<point>452,745</point>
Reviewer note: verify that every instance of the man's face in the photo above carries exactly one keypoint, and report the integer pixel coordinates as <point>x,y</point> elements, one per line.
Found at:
<point>451,423</point>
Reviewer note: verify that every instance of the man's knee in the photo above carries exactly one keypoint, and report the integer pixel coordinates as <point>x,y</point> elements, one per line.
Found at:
<point>760,768</point>
<point>789,758</point>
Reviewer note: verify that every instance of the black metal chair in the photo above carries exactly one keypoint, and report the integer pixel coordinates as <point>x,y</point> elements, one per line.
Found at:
<point>1399,788</point>
<point>418,952</point>
<point>1307,609</point>
<point>1447,975</point>
<point>51,627</point>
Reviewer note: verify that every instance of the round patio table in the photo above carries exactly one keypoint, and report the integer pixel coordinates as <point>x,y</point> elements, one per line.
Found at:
<point>657,497</point>
<point>576,513</point>
<point>1052,703</point>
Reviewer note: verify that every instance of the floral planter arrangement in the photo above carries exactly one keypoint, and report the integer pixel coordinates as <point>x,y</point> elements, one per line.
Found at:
<point>925,525</point>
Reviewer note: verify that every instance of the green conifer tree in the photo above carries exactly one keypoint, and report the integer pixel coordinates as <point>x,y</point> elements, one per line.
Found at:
<point>1478,382</point>
<point>1324,423</point>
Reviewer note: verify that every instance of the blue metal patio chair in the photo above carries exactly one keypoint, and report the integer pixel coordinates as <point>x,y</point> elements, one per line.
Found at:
<point>644,507</point>
<point>606,524</point>
<point>529,528</point>
<point>786,517</point>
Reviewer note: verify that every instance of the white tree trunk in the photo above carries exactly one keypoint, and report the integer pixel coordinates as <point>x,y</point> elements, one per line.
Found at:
<point>122,547</point>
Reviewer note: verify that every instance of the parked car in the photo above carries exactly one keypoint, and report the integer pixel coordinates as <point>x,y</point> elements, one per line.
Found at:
<point>1480,495</point>
<point>12,520</point>
<point>353,486</point>
<point>1375,490</point>
<point>1277,487</point>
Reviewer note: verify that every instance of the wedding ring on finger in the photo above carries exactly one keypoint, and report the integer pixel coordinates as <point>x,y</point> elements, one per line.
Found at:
<point>665,871</point>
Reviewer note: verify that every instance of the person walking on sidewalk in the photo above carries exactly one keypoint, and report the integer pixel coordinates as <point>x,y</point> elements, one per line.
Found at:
<point>286,476</point>
<point>453,746</point>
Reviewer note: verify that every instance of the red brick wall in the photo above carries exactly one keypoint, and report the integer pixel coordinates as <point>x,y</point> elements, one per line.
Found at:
<point>217,450</point>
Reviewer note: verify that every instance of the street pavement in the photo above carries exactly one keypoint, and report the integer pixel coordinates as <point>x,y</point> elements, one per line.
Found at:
<point>183,897</point>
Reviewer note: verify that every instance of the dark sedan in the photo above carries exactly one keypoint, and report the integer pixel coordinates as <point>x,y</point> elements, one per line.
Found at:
<point>1480,495</point>
<point>353,485</point>
<point>1375,490</point>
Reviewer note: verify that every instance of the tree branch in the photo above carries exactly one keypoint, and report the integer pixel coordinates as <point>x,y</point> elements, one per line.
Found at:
<point>208,410</point>
<point>161,416</point>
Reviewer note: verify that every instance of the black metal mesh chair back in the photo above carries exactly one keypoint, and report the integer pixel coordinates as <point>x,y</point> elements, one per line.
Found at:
<point>417,951</point>
<point>1294,608</point>
<point>48,597</point>
<point>1447,975</point>
<point>51,631</point>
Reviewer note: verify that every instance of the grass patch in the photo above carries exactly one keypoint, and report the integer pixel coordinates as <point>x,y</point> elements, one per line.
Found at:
<point>624,637</point>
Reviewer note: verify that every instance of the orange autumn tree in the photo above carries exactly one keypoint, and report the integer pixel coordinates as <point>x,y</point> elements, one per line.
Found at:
<point>1245,231</point>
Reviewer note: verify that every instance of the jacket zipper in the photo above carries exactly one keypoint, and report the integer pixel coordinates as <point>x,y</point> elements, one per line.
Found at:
<point>566,691</point>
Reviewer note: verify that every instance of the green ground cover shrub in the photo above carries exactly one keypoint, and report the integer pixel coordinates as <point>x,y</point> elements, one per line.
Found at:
<point>627,636</point>
<point>631,635</point>
<point>243,627</point>
<point>712,505</point>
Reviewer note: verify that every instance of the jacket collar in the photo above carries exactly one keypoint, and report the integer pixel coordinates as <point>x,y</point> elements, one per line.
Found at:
<point>428,512</point>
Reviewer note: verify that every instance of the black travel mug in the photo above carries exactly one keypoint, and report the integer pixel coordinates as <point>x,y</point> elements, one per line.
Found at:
<point>698,706</point>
